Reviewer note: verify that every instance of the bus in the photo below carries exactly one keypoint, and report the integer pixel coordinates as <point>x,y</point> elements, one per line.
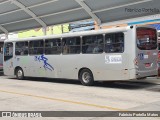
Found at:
<point>159,56</point>
<point>159,48</point>
<point>122,53</point>
<point>1,56</point>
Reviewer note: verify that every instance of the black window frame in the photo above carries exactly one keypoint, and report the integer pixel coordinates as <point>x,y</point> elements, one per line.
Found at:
<point>113,44</point>
<point>67,48</point>
<point>25,54</point>
<point>39,48</point>
<point>54,46</point>
<point>93,46</point>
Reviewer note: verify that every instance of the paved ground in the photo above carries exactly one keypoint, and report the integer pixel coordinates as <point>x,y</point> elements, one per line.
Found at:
<point>38,94</point>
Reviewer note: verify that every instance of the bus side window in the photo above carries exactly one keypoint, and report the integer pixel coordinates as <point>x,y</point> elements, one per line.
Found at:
<point>36,47</point>
<point>21,48</point>
<point>92,44</point>
<point>71,45</point>
<point>52,46</point>
<point>114,43</point>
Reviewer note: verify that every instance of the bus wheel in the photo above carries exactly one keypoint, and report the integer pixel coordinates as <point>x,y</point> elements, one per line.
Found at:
<point>86,77</point>
<point>19,74</point>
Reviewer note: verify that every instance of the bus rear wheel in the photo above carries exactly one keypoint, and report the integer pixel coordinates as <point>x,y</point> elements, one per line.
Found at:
<point>86,77</point>
<point>19,74</point>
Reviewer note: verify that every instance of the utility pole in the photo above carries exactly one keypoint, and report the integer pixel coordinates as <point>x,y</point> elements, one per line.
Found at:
<point>62,28</point>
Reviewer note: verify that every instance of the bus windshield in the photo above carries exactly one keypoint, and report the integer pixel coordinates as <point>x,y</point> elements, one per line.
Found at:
<point>146,38</point>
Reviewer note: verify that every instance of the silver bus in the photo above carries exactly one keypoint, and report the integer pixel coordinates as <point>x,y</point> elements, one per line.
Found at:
<point>1,56</point>
<point>100,55</point>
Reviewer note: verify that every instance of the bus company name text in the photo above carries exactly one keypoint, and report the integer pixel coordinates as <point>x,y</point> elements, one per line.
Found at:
<point>113,59</point>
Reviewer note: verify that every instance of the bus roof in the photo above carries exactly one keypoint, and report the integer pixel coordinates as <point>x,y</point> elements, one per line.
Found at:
<point>82,33</point>
<point>73,34</point>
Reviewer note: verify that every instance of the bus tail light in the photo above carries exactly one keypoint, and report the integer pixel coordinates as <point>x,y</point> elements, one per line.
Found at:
<point>136,61</point>
<point>158,63</point>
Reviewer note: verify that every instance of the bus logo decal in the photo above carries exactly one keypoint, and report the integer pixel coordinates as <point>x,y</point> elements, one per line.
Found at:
<point>113,59</point>
<point>44,60</point>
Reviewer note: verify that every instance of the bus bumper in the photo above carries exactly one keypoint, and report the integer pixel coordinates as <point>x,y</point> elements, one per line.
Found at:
<point>149,73</point>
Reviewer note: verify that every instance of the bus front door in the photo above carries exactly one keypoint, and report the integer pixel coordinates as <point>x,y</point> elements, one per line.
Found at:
<point>8,59</point>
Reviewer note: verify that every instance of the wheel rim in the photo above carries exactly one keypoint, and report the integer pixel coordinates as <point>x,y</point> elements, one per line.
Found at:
<point>86,77</point>
<point>19,73</point>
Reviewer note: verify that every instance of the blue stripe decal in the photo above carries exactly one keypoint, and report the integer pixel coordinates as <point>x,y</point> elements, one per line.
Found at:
<point>145,21</point>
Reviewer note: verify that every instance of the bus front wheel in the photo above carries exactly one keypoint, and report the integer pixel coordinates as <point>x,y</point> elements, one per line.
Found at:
<point>19,74</point>
<point>86,77</point>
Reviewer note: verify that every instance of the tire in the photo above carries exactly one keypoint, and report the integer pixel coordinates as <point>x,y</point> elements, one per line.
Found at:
<point>19,74</point>
<point>86,77</point>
